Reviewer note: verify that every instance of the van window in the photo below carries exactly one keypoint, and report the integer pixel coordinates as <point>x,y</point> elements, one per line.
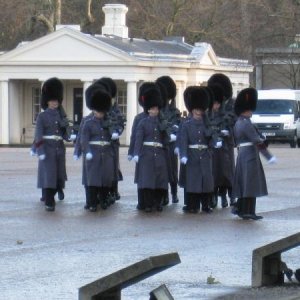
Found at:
<point>275,107</point>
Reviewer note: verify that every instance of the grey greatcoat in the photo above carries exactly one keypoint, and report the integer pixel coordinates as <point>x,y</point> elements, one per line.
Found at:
<point>135,124</point>
<point>78,148</point>
<point>101,169</point>
<point>223,158</point>
<point>52,170</point>
<point>249,177</point>
<point>199,177</point>
<point>152,170</point>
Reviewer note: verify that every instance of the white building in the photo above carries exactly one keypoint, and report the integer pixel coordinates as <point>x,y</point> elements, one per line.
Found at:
<point>78,59</point>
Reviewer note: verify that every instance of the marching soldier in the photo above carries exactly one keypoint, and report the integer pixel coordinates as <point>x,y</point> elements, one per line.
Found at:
<point>150,152</point>
<point>99,160</point>
<point>222,161</point>
<point>116,124</point>
<point>136,121</point>
<point>50,132</point>
<point>249,177</point>
<point>195,153</point>
<point>172,116</point>
<point>229,119</point>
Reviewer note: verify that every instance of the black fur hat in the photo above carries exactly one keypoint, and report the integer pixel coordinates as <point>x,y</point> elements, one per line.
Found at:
<point>150,95</point>
<point>187,94</point>
<point>98,98</point>
<point>163,92</point>
<point>211,96</point>
<point>110,84</point>
<point>52,89</point>
<point>218,93</point>
<point>169,85</point>
<point>245,100</point>
<point>198,99</point>
<point>223,81</point>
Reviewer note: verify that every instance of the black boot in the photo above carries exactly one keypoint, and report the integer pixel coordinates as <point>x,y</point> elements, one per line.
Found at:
<point>252,206</point>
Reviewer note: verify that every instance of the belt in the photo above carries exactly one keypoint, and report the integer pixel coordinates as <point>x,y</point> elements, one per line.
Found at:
<point>245,144</point>
<point>99,143</point>
<point>153,144</point>
<point>198,146</point>
<point>52,137</point>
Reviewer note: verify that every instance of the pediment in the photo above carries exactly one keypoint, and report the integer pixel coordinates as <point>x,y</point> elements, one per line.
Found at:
<point>205,54</point>
<point>64,46</point>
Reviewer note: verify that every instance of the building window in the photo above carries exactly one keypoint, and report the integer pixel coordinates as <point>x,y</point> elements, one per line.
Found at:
<point>36,106</point>
<point>122,101</point>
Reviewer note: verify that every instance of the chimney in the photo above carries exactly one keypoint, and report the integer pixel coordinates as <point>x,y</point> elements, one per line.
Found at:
<point>115,20</point>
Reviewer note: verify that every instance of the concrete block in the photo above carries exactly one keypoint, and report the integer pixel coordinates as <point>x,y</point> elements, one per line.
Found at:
<point>161,293</point>
<point>266,261</point>
<point>110,286</point>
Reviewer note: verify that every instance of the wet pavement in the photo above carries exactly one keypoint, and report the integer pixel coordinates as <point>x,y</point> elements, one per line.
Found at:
<point>46,255</point>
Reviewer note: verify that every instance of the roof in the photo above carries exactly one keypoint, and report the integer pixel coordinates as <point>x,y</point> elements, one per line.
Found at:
<point>149,49</point>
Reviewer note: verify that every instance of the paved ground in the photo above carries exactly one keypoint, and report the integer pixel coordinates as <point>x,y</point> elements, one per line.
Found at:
<point>50,255</point>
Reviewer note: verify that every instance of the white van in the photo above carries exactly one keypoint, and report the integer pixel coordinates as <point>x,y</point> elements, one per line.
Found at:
<point>277,115</point>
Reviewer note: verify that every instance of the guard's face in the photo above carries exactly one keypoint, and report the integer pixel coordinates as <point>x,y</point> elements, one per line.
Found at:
<point>216,106</point>
<point>98,114</point>
<point>197,113</point>
<point>52,104</point>
<point>153,111</point>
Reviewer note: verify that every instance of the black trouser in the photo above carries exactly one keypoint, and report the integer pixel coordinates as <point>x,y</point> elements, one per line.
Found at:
<point>141,202</point>
<point>173,186</point>
<point>48,195</point>
<point>93,193</point>
<point>246,206</point>
<point>153,197</point>
<point>194,200</point>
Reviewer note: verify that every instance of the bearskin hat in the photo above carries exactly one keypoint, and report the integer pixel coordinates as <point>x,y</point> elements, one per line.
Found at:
<point>169,85</point>
<point>187,94</point>
<point>211,96</point>
<point>223,81</point>
<point>198,99</point>
<point>98,98</point>
<point>245,100</point>
<point>218,93</point>
<point>110,84</point>
<point>150,95</point>
<point>52,89</point>
<point>163,92</point>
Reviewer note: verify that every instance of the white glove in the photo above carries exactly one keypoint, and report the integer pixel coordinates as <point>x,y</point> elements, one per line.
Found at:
<point>89,156</point>
<point>183,160</point>
<point>32,153</point>
<point>129,157</point>
<point>42,157</point>
<point>225,132</point>
<point>135,159</point>
<point>72,137</point>
<point>114,136</point>
<point>218,144</point>
<point>176,151</point>
<point>75,157</point>
<point>172,137</point>
<point>272,160</point>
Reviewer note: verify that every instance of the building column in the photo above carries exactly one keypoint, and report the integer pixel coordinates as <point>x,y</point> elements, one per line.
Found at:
<point>85,109</point>
<point>131,107</point>
<point>258,76</point>
<point>181,85</point>
<point>4,122</point>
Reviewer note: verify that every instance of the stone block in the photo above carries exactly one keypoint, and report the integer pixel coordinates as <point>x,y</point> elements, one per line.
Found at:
<point>266,261</point>
<point>110,286</point>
